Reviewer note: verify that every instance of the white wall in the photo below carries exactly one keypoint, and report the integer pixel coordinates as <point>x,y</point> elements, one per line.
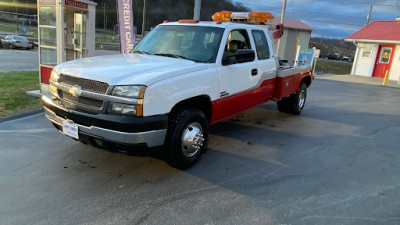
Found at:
<point>364,66</point>
<point>283,44</point>
<point>394,73</point>
<point>289,41</point>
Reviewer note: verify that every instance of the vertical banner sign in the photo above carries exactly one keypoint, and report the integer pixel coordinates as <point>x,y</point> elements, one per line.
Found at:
<point>125,23</point>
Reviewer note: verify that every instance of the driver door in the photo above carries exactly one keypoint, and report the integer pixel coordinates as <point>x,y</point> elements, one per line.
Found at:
<point>238,81</point>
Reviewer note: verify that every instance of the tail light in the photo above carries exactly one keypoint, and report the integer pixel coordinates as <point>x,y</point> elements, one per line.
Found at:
<point>17,42</point>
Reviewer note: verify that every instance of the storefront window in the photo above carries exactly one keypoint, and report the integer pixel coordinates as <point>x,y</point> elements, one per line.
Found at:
<point>48,56</point>
<point>385,55</point>
<point>48,36</point>
<point>367,51</point>
<point>47,16</point>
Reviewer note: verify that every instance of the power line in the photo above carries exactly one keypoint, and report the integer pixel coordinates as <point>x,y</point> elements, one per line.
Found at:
<point>331,15</point>
<point>297,10</point>
<point>368,3</point>
<point>336,23</point>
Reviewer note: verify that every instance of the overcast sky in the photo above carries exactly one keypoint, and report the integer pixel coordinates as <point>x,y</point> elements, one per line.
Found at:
<point>330,18</point>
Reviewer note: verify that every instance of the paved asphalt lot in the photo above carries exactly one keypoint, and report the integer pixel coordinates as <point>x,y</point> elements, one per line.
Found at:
<point>337,163</point>
<point>26,60</point>
<point>18,60</point>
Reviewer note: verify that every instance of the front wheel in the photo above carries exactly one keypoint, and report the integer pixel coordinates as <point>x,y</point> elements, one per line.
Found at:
<point>294,104</point>
<point>186,138</point>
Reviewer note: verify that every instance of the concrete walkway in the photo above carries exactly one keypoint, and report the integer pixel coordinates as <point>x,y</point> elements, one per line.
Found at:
<point>359,79</point>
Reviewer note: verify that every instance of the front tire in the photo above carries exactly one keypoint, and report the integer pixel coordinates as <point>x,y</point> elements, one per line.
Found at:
<point>294,104</point>
<point>186,138</point>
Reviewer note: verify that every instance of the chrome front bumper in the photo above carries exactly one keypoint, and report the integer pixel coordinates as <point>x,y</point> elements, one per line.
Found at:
<point>150,138</point>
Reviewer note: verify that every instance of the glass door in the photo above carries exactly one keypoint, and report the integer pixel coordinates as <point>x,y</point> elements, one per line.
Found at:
<point>77,35</point>
<point>383,60</point>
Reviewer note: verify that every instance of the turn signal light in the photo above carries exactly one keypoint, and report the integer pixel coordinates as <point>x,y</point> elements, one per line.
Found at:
<point>188,21</point>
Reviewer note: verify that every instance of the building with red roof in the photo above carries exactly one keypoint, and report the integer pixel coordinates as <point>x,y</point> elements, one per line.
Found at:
<point>295,32</point>
<point>378,49</point>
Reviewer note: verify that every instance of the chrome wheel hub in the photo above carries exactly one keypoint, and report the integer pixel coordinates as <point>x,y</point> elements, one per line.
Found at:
<point>302,98</point>
<point>192,139</point>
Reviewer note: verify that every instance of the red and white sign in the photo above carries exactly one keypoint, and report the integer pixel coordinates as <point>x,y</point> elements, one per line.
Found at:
<point>76,4</point>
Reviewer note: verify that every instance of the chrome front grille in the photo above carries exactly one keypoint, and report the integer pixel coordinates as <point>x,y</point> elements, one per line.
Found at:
<point>83,101</point>
<point>86,84</point>
<point>79,101</point>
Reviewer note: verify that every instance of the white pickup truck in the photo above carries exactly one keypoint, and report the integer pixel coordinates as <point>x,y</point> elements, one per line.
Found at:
<point>180,79</point>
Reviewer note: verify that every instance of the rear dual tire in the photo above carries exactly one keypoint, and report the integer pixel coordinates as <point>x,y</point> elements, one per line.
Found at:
<point>294,104</point>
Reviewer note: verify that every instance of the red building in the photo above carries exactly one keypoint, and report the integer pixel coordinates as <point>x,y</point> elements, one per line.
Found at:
<point>378,49</point>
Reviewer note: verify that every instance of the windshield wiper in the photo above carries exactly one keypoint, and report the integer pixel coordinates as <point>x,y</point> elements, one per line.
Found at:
<point>171,55</point>
<point>140,52</point>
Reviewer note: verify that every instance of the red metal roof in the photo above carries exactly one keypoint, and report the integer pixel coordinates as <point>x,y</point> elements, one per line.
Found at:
<point>383,30</point>
<point>291,23</point>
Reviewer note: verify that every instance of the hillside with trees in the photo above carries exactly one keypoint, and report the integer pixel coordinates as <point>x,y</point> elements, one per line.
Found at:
<point>160,10</point>
<point>157,10</point>
<point>333,46</point>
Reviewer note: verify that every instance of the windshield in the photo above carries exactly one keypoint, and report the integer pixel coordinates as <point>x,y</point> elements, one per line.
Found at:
<point>196,43</point>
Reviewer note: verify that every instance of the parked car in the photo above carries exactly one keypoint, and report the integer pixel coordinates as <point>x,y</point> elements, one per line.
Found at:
<point>15,41</point>
<point>334,56</point>
<point>1,43</point>
<point>346,58</point>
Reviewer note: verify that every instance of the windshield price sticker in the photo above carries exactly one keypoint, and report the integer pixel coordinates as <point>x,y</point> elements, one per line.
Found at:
<point>70,129</point>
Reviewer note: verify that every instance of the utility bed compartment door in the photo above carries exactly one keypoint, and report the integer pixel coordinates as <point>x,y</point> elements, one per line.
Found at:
<point>288,81</point>
<point>286,86</point>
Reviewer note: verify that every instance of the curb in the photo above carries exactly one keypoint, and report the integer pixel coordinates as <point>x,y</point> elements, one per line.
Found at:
<point>25,114</point>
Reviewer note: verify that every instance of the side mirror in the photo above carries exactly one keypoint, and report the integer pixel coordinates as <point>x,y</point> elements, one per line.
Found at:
<point>240,56</point>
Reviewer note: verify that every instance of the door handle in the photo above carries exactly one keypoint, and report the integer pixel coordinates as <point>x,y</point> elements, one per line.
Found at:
<point>254,72</point>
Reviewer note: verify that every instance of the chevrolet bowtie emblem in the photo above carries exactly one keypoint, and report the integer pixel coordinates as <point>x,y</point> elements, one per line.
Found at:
<point>75,91</point>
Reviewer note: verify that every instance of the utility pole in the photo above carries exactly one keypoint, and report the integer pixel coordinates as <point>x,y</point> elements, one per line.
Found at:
<point>16,13</point>
<point>104,18</point>
<point>282,17</point>
<point>144,18</point>
<point>322,36</point>
<point>197,7</point>
<point>368,16</point>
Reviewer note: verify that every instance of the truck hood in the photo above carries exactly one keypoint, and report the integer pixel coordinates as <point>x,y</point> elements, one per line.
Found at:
<point>127,69</point>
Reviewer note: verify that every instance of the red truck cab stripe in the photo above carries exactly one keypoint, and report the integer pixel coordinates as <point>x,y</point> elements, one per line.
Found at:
<point>235,104</point>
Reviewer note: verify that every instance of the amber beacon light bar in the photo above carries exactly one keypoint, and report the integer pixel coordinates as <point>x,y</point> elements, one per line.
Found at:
<point>248,17</point>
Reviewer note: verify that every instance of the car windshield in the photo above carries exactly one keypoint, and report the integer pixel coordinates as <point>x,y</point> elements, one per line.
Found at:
<point>196,43</point>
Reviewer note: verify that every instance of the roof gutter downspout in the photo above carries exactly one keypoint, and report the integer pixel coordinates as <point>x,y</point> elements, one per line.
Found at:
<point>355,59</point>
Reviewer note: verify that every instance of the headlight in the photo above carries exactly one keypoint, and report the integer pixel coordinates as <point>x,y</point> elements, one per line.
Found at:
<point>125,109</point>
<point>54,76</point>
<point>129,91</point>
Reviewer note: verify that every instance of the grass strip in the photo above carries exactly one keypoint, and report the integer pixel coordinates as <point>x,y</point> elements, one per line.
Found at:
<point>13,87</point>
<point>333,67</point>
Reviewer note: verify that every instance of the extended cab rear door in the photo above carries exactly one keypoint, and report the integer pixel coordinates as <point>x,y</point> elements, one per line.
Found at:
<point>267,64</point>
<point>238,82</point>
